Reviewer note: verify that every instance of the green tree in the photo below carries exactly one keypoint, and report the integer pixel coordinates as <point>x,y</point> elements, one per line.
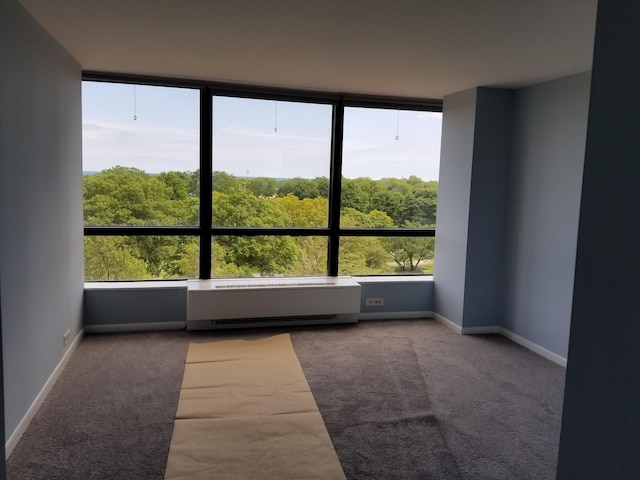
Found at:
<point>421,203</point>
<point>178,183</point>
<point>403,200</point>
<point>128,196</point>
<point>355,194</point>
<point>409,252</point>
<point>308,212</point>
<point>111,258</point>
<point>303,188</point>
<point>263,186</point>
<point>224,182</point>
<point>164,254</point>
<point>311,259</point>
<point>222,265</point>
<point>240,208</point>
<point>350,217</point>
<point>188,262</point>
<point>266,255</point>
<point>362,255</point>
<point>312,250</point>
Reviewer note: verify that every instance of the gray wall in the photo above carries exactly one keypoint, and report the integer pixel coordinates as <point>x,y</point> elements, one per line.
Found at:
<point>456,161</point>
<point>41,263</point>
<point>600,435</point>
<point>412,295</point>
<point>123,305</point>
<point>540,214</point>
<point>155,303</point>
<point>484,278</point>
<point>510,177</point>
<point>469,252</point>
<point>550,124</point>
<point>3,469</point>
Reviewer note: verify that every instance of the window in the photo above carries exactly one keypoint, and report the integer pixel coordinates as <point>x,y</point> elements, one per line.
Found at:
<point>140,162</point>
<point>390,170</point>
<point>268,255</point>
<point>140,257</point>
<point>269,157</point>
<point>385,255</point>
<point>140,155</point>
<point>191,180</point>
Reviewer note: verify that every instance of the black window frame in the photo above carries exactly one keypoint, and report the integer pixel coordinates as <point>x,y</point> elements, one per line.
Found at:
<point>205,230</point>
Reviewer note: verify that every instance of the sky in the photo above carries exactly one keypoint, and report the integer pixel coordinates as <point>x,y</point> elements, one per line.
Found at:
<point>251,138</point>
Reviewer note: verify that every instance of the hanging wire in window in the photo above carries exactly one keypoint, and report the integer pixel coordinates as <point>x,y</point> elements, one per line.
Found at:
<point>275,122</point>
<point>398,126</point>
<point>135,116</point>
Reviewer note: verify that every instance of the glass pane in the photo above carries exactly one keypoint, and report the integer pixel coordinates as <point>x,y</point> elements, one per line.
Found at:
<point>390,168</point>
<point>140,257</point>
<point>385,255</point>
<point>270,162</point>
<point>268,256</point>
<point>140,148</point>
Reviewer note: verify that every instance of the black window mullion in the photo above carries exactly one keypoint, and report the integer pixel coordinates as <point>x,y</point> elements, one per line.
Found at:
<point>206,173</point>
<point>142,231</point>
<point>387,232</point>
<point>270,231</point>
<point>335,188</point>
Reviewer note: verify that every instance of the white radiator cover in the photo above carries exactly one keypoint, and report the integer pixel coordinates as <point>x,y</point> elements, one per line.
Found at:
<point>248,302</point>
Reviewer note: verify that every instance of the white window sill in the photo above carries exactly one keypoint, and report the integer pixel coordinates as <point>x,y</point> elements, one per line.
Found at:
<point>141,285</point>
<point>161,284</point>
<point>395,279</point>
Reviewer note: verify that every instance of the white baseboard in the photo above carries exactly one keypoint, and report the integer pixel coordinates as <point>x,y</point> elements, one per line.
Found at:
<point>14,438</point>
<point>135,327</point>
<point>534,347</point>
<point>480,330</point>
<point>447,323</point>
<point>395,315</point>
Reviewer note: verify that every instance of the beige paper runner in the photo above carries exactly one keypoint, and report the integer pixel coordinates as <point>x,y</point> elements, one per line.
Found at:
<point>246,412</point>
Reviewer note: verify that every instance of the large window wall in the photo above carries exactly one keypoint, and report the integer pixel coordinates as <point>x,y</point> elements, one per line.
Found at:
<point>190,180</point>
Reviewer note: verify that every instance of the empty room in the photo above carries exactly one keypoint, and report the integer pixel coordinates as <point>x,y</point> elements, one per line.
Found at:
<point>319,239</point>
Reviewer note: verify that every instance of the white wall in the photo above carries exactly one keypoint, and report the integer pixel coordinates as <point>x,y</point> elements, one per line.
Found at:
<point>41,243</point>
<point>545,178</point>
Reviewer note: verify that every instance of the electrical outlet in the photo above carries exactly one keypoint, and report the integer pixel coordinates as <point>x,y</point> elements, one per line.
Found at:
<point>66,337</point>
<point>374,302</point>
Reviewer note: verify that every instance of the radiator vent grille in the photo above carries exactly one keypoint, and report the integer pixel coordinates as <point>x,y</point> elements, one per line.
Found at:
<point>267,320</point>
<point>274,285</point>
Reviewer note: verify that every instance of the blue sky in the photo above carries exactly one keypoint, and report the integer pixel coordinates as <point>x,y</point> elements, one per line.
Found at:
<point>165,135</point>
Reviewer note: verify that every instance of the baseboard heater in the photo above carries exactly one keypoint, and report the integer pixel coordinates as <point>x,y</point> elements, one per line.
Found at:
<point>252,302</point>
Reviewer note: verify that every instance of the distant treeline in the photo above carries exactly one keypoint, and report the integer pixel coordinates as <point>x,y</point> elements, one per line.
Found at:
<point>123,196</point>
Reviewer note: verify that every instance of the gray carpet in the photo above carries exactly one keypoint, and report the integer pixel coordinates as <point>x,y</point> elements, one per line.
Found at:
<point>402,399</point>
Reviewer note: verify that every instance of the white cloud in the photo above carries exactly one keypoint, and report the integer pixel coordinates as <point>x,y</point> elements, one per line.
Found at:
<point>148,147</point>
<point>240,151</point>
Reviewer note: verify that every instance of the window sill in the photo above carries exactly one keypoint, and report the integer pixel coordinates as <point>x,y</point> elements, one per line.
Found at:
<point>136,285</point>
<point>173,284</point>
<point>395,279</point>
